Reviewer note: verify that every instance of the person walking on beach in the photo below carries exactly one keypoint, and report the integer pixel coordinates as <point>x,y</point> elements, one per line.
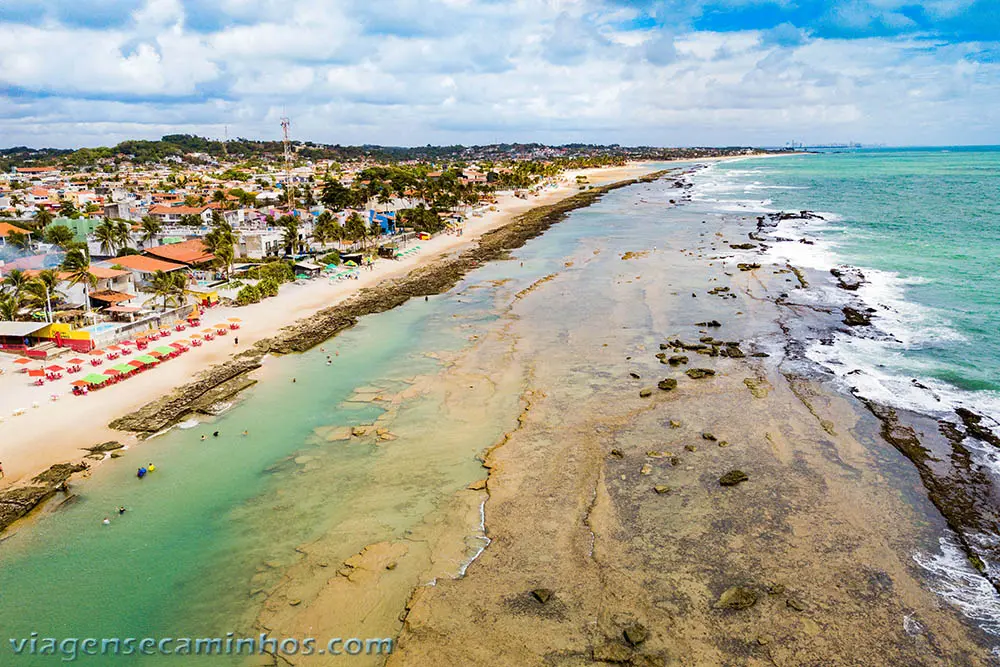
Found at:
<point>236,340</point>
<point>2,475</point>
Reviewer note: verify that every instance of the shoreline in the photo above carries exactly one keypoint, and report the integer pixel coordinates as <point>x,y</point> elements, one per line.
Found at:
<point>430,273</point>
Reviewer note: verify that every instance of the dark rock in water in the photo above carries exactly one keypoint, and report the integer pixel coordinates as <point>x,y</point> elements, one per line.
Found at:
<point>734,352</point>
<point>698,373</point>
<point>635,376</point>
<point>690,448</point>
<point>708,436</point>
<point>733,477</point>
<point>108,446</point>
<point>736,597</point>
<point>710,323</point>
<point>742,246</point>
<point>542,594</point>
<point>617,453</point>
<point>667,384</point>
<point>677,360</point>
<point>644,393</point>
<point>664,346</point>
<point>975,428</point>
<point>761,355</point>
<point>635,633</point>
<point>18,501</point>
<point>661,489</point>
<point>848,278</point>
<point>855,318</point>
<point>747,266</point>
<point>661,355</point>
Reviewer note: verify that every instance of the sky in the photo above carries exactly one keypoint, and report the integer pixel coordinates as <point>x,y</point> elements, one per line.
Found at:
<point>413,72</point>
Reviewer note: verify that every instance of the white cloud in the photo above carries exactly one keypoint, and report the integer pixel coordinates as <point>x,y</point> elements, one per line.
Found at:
<point>448,71</point>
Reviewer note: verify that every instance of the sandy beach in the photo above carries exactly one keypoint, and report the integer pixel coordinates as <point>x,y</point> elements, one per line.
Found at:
<point>58,430</point>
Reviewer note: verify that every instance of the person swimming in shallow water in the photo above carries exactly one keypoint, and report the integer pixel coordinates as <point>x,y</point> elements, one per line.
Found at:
<point>150,467</point>
<point>121,510</point>
<point>140,473</point>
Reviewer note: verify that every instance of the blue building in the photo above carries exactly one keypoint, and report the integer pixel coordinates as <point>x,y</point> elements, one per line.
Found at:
<point>387,220</point>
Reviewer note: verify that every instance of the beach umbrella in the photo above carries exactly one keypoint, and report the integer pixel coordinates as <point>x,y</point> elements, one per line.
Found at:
<point>148,359</point>
<point>22,361</point>
<point>76,361</point>
<point>208,330</point>
<point>96,378</point>
<point>235,319</point>
<point>79,383</point>
<point>350,262</point>
<point>155,353</point>
<point>124,368</point>
<point>128,342</point>
<point>96,352</point>
<point>116,348</point>
<point>164,349</point>
<point>112,371</point>
<point>196,336</point>
<point>135,363</point>
<point>36,372</point>
<point>54,368</point>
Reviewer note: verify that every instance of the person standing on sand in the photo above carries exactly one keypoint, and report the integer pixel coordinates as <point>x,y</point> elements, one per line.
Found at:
<point>2,475</point>
<point>236,340</point>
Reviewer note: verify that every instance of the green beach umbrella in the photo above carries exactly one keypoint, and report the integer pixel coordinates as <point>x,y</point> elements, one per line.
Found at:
<point>148,359</point>
<point>124,368</point>
<point>95,378</point>
<point>165,350</point>
<point>350,262</point>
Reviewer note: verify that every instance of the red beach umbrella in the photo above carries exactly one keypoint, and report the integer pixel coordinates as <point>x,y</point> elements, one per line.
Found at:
<point>97,352</point>
<point>22,361</point>
<point>54,368</point>
<point>76,361</point>
<point>80,383</point>
<point>137,363</point>
<point>36,373</point>
<point>112,371</point>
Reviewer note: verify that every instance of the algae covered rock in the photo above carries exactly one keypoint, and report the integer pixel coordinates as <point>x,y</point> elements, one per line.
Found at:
<point>733,477</point>
<point>736,597</point>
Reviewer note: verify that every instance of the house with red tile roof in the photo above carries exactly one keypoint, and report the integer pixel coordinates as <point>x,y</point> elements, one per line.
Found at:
<point>6,228</point>
<point>190,253</point>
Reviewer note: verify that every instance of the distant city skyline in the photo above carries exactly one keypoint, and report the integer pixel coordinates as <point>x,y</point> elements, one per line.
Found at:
<point>79,73</point>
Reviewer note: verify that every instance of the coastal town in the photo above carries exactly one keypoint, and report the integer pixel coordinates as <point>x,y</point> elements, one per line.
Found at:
<point>113,263</point>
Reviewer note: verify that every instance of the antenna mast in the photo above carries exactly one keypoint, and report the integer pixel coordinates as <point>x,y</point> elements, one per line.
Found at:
<point>285,124</point>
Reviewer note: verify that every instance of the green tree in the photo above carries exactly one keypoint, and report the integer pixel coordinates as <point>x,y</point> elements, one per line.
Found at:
<point>290,236</point>
<point>150,227</point>
<point>41,290</point>
<point>169,287</point>
<point>19,241</point>
<point>59,235</point>
<point>43,217</point>
<point>16,283</point>
<point>123,233</point>
<point>9,308</point>
<point>221,242</point>
<point>106,234</point>
<point>77,266</point>
<point>67,209</point>
<point>354,228</point>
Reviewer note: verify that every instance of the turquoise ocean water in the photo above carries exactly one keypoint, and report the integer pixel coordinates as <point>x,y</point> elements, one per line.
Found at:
<point>924,227</point>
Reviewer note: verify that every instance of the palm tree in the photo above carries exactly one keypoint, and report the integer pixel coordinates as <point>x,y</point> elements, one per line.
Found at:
<point>220,242</point>
<point>19,240</point>
<point>354,228</point>
<point>15,283</point>
<point>59,235</point>
<point>169,287</point>
<point>77,266</point>
<point>150,228</point>
<point>9,308</point>
<point>43,217</point>
<point>290,238</point>
<point>42,289</point>
<point>123,231</point>
<point>107,235</point>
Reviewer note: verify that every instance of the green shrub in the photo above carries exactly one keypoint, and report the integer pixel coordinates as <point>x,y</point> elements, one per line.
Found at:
<point>268,287</point>
<point>247,295</point>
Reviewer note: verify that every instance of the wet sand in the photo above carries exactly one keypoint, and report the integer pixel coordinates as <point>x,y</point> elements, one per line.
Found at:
<point>612,539</point>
